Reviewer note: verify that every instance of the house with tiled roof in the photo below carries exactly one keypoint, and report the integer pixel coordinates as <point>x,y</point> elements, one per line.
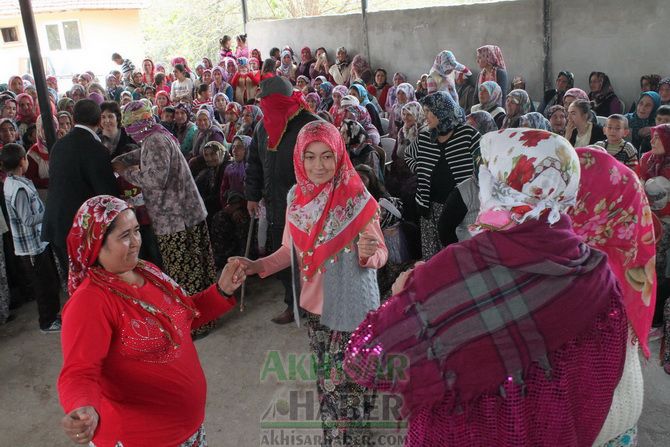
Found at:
<point>74,35</point>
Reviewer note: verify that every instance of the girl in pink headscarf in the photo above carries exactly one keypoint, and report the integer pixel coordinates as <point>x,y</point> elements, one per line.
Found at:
<point>492,64</point>
<point>337,111</point>
<point>242,50</point>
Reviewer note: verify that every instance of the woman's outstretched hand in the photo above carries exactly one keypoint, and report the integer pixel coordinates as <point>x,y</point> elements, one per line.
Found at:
<point>232,276</point>
<point>80,424</point>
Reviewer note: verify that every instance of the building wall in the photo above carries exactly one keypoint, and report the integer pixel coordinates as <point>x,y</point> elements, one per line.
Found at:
<point>101,32</point>
<point>310,31</point>
<point>623,39</point>
<point>613,36</point>
<point>408,40</point>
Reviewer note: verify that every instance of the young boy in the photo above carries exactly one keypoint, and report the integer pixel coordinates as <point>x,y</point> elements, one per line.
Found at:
<point>616,129</point>
<point>167,118</point>
<point>36,262</point>
<point>127,67</point>
<point>663,115</point>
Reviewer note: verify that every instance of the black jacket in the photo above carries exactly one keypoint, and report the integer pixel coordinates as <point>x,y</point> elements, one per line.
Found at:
<point>80,167</point>
<point>270,174</point>
<point>597,134</point>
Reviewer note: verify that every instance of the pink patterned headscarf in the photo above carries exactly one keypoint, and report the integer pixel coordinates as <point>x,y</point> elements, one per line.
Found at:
<point>493,55</point>
<point>612,214</point>
<point>577,93</point>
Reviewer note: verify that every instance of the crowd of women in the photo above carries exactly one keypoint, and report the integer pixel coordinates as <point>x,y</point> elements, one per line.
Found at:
<point>486,218</point>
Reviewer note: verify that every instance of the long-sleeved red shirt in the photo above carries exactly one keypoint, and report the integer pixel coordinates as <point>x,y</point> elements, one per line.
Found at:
<point>643,171</point>
<point>115,358</point>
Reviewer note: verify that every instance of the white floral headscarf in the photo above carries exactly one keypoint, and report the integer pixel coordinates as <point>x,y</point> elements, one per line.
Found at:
<point>523,173</point>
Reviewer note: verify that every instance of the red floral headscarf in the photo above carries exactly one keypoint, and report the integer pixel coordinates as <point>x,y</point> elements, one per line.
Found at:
<point>84,243</point>
<point>612,214</point>
<point>86,235</point>
<point>525,173</point>
<point>324,219</point>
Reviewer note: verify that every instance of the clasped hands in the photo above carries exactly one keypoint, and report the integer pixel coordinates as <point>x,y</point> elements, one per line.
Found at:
<point>233,275</point>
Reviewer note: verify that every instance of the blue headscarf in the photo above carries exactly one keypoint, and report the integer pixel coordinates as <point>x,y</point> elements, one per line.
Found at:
<point>328,88</point>
<point>635,123</point>
<point>447,111</point>
<point>363,93</point>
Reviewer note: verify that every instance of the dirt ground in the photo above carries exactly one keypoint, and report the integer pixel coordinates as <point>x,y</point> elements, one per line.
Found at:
<point>259,392</point>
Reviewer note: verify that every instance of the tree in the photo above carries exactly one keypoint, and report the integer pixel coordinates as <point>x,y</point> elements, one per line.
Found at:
<point>287,9</point>
<point>179,29</point>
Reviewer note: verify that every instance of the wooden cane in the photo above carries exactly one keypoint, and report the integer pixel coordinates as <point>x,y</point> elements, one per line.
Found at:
<point>247,249</point>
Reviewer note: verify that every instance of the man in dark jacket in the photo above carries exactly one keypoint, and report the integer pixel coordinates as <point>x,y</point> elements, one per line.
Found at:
<point>80,167</point>
<point>270,172</point>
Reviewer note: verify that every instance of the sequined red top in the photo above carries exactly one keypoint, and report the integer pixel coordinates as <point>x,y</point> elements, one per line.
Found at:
<point>115,358</point>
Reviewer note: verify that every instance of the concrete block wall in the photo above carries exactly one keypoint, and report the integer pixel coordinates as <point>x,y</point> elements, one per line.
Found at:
<point>408,40</point>
<point>623,39</point>
<point>614,36</point>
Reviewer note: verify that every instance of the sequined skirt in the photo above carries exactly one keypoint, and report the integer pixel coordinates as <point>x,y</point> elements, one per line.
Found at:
<point>198,439</point>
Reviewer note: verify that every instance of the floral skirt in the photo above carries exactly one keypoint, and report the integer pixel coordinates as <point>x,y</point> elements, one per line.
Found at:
<point>430,238</point>
<point>344,405</point>
<point>187,258</point>
<point>198,439</point>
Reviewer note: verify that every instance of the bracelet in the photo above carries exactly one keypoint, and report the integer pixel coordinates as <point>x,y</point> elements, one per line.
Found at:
<point>222,292</point>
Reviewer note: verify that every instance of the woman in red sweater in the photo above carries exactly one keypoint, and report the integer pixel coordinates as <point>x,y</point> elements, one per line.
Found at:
<point>131,375</point>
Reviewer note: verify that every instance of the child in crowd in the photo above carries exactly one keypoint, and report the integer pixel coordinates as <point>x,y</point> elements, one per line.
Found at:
<point>242,49</point>
<point>29,136</point>
<point>616,129</point>
<point>118,75</point>
<point>36,262</point>
<point>161,83</point>
<point>230,225</point>
<point>167,118</point>
<point>202,96</point>
<point>233,122</point>
<point>127,67</point>
<point>663,115</point>
<point>226,47</point>
<point>208,180</point>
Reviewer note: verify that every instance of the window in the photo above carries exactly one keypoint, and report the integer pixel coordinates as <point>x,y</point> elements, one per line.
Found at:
<point>71,32</point>
<point>63,36</point>
<point>53,36</point>
<point>10,35</point>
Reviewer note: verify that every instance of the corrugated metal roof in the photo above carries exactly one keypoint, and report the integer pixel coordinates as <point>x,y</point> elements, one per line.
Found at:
<point>11,7</point>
